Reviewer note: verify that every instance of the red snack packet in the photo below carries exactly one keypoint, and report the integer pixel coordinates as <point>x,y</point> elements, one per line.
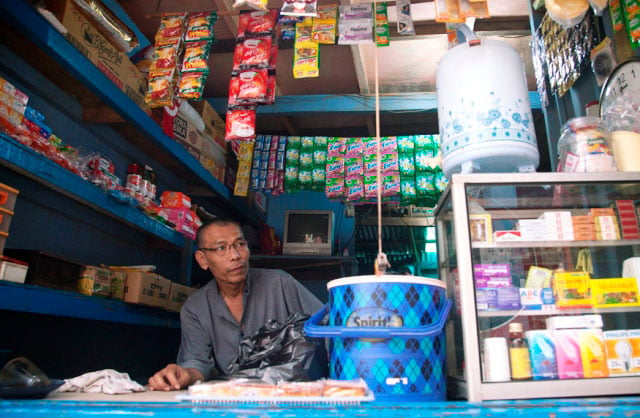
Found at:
<point>240,124</point>
<point>255,52</point>
<point>253,86</point>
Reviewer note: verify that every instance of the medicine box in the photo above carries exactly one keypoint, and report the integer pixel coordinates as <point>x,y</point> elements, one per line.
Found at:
<point>615,292</point>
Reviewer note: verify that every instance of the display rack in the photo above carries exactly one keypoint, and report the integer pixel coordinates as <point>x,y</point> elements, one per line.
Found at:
<point>504,199</point>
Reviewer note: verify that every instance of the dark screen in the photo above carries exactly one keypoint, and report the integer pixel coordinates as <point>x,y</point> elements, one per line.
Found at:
<point>307,227</point>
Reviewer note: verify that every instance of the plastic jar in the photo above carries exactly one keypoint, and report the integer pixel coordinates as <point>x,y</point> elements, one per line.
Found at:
<point>584,146</point>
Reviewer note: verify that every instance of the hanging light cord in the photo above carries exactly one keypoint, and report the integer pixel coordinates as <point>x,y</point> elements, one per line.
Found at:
<point>382,263</point>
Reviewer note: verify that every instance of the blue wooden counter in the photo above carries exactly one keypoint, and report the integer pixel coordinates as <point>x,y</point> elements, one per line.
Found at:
<point>150,404</point>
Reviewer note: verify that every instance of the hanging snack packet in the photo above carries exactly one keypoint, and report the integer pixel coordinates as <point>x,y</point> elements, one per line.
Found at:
<point>234,88</point>
<point>405,21</point>
<point>200,27</point>
<point>287,25</point>
<point>161,85</point>
<point>196,56</point>
<point>171,26</point>
<point>306,53</point>
<point>299,8</point>
<point>255,52</point>
<point>254,4</point>
<point>355,25</point>
<point>191,84</point>
<point>252,86</point>
<point>270,97</point>
<point>255,23</point>
<point>240,125</point>
<point>165,54</point>
<point>382,25</point>
<point>324,25</point>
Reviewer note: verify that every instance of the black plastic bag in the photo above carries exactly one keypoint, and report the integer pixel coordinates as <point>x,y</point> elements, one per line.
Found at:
<point>280,352</point>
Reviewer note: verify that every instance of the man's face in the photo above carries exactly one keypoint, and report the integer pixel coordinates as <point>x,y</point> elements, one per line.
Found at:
<point>227,262</point>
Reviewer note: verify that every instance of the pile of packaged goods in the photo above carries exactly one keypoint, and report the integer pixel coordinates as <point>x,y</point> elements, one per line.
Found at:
<point>176,207</point>
<point>569,347</point>
<point>179,66</point>
<point>346,168</point>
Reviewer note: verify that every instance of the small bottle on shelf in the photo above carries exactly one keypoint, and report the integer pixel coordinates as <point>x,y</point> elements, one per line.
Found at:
<point>518,353</point>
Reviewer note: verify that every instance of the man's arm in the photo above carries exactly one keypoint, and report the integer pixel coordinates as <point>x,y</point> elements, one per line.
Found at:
<point>174,377</point>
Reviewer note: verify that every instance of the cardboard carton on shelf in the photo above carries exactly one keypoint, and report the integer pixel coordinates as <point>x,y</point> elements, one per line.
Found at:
<point>113,63</point>
<point>178,295</point>
<point>146,288</point>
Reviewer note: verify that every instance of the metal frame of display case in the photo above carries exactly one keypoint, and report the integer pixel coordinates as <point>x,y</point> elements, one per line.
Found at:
<point>471,385</point>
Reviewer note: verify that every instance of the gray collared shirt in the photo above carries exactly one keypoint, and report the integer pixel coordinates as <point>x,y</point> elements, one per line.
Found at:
<point>211,335</point>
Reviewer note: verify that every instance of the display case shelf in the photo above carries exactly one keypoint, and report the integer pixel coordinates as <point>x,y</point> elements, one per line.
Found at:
<point>43,170</point>
<point>555,244</point>
<point>554,311</point>
<point>42,300</point>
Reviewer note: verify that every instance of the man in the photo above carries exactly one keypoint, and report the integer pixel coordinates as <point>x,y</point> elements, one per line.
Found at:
<point>236,304</point>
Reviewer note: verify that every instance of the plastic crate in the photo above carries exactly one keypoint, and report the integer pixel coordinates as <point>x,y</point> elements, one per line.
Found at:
<point>8,196</point>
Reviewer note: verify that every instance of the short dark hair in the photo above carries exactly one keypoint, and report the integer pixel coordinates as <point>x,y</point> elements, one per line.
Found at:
<point>216,222</point>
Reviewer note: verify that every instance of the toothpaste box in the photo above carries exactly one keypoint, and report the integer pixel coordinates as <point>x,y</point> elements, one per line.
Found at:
<point>537,299</point>
<point>573,322</point>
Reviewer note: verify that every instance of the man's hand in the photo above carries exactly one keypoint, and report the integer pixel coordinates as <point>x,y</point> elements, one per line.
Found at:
<point>173,377</point>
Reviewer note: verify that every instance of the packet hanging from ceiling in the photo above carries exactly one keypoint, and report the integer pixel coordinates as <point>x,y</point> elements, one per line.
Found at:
<point>306,53</point>
<point>405,21</point>
<point>299,8</point>
<point>252,87</point>
<point>381,25</point>
<point>171,25</point>
<point>165,54</point>
<point>200,26</point>
<point>191,84</point>
<point>196,56</point>
<point>356,31</point>
<point>324,25</point>
<point>240,124</point>
<point>255,52</point>
<point>355,25</point>
<point>161,85</point>
<point>256,23</point>
<point>261,5</point>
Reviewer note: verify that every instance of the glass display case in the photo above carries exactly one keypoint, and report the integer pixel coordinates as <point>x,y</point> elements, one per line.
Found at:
<point>543,270</point>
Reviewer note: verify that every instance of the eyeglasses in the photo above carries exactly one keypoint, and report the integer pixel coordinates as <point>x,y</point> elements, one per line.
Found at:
<point>239,246</point>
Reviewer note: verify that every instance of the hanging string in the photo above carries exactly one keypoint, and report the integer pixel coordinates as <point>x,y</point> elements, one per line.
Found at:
<point>381,262</point>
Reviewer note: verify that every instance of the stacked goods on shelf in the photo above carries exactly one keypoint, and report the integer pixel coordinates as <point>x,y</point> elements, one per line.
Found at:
<point>108,57</point>
<point>346,168</point>
<point>627,219</point>
<point>101,281</point>
<point>177,207</point>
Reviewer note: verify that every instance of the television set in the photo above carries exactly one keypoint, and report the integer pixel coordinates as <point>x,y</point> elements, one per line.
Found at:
<point>308,232</point>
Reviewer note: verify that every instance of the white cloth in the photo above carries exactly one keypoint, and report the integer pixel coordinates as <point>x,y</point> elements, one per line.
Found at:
<point>107,381</point>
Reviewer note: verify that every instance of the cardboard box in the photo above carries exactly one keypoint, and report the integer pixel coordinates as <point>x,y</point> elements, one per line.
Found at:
<point>147,289</point>
<point>92,44</point>
<point>184,132</point>
<point>213,123</point>
<point>178,295</point>
<point>94,281</point>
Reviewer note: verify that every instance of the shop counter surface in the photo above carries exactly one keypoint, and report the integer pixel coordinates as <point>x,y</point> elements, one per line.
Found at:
<point>165,404</point>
